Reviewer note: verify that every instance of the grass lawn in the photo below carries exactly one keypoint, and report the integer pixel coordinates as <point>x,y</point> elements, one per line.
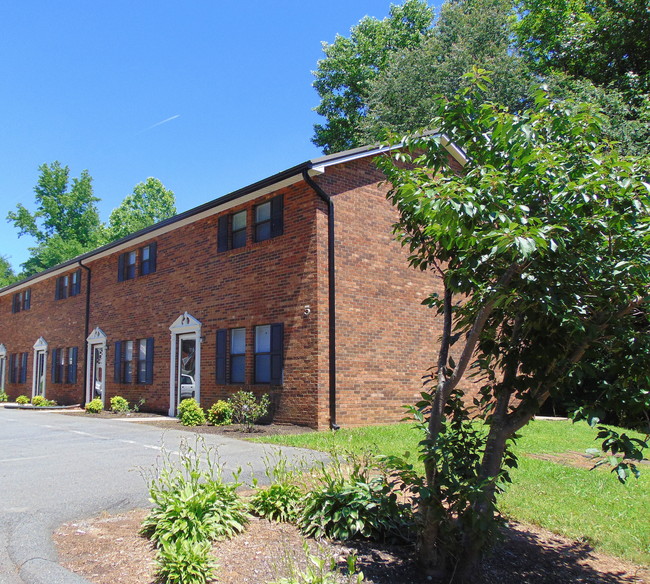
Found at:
<point>581,504</point>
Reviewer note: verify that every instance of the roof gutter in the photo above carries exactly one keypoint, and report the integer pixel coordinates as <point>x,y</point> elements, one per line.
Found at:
<point>331,280</point>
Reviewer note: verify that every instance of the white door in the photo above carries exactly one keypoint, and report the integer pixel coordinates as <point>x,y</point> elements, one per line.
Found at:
<point>39,373</point>
<point>97,383</point>
<point>186,368</point>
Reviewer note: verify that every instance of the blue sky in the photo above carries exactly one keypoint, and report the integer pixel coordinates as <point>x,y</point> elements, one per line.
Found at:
<point>207,96</point>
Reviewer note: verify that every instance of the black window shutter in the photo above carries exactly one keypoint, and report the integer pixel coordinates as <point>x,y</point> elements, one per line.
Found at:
<point>149,371</point>
<point>277,212</point>
<point>222,343</point>
<point>57,289</point>
<point>222,236</point>
<point>153,251</point>
<point>14,303</point>
<point>23,369</point>
<point>72,375</point>
<point>55,358</point>
<point>12,368</point>
<point>117,372</point>
<point>120,268</point>
<point>277,342</point>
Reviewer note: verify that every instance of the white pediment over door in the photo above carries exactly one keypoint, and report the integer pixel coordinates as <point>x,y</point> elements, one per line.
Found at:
<point>97,335</point>
<point>40,345</point>
<point>3,350</point>
<point>185,323</point>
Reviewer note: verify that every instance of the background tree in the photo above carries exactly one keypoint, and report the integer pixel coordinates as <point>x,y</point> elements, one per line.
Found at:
<point>7,275</point>
<point>467,33</point>
<point>541,245</point>
<point>66,222</point>
<point>149,203</point>
<point>350,63</point>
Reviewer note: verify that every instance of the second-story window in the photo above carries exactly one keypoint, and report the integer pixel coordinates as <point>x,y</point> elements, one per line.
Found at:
<point>68,285</point>
<point>21,301</point>
<point>148,259</point>
<point>269,221</point>
<point>127,265</point>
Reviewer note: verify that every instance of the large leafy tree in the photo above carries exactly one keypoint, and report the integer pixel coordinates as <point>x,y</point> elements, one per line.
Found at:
<point>149,203</point>
<point>467,33</point>
<point>7,275</point>
<point>351,63</point>
<point>66,221</point>
<point>541,246</point>
<point>605,41</point>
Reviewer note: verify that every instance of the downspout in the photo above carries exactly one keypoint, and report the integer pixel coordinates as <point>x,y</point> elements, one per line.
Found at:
<point>86,332</point>
<point>331,281</point>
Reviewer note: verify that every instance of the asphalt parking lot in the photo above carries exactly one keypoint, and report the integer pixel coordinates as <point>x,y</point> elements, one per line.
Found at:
<point>55,468</point>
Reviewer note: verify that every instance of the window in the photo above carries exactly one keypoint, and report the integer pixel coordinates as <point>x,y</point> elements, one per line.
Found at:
<point>145,360</point>
<point>21,301</point>
<point>232,231</point>
<point>269,219</point>
<point>130,366</point>
<point>58,365</point>
<point>231,355</point>
<point>269,341</point>
<point>148,259</point>
<point>18,368</point>
<point>68,285</point>
<point>237,355</point>
<point>71,369</point>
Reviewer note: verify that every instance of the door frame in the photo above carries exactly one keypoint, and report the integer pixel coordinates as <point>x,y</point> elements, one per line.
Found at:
<point>184,326</point>
<point>40,347</point>
<point>95,339</point>
<point>3,366</point>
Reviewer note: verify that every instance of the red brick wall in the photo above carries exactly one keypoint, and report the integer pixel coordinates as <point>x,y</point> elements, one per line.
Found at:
<point>60,322</point>
<point>262,283</point>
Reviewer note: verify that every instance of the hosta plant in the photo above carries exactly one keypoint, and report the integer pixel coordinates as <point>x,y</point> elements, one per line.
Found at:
<point>184,561</point>
<point>22,399</point>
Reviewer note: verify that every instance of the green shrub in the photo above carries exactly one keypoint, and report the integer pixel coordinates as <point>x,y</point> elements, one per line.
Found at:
<point>3,396</point>
<point>279,502</point>
<point>40,402</point>
<point>185,562</point>
<point>220,413</point>
<point>193,502</point>
<point>247,410</point>
<point>119,404</point>
<point>22,399</point>
<point>94,406</point>
<point>356,497</point>
<point>191,413</point>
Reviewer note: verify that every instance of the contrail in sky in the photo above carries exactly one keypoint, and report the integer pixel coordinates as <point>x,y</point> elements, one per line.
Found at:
<point>162,122</point>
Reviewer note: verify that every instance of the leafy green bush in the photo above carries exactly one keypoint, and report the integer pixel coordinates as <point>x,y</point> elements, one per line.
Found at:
<point>193,502</point>
<point>3,396</point>
<point>247,410</point>
<point>220,413</point>
<point>357,497</point>
<point>119,404</point>
<point>185,561</point>
<point>94,406</point>
<point>191,413</point>
<point>40,402</point>
<point>281,501</point>
<point>22,399</point>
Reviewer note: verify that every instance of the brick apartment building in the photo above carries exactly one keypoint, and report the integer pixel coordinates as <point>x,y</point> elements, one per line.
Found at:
<point>292,285</point>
